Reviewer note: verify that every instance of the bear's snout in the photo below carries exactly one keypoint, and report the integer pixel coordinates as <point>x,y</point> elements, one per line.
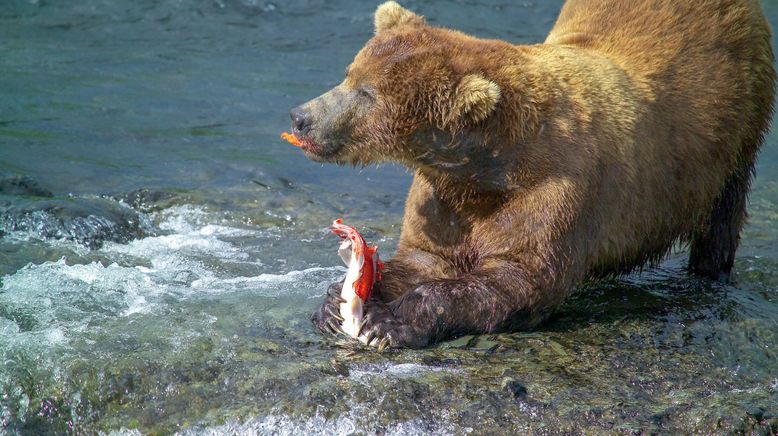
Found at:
<point>301,121</point>
<point>324,125</point>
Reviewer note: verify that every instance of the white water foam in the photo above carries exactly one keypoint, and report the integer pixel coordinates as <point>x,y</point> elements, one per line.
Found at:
<point>58,310</point>
<point>310,282</point>
<point>55,294</point>
<point>356,421</point>
<point>387,370</point>
<point>54,298</point>
<point>196,240</point>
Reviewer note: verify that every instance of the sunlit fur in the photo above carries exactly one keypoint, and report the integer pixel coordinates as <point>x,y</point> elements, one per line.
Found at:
<point>391,14</point>
<point>630,129</point>
<point>475,98</point>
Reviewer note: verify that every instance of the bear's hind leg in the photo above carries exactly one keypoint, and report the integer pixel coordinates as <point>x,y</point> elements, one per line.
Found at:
<point>713,247</point>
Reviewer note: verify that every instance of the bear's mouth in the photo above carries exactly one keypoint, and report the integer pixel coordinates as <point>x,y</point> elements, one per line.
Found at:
<point>318,151</point>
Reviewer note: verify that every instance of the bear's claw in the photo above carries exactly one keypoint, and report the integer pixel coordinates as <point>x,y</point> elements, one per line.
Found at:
<point>327,317</point>
<point>383,330</point>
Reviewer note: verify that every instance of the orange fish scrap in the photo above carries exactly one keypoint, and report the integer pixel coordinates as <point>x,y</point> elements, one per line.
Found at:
<point>291,139</point>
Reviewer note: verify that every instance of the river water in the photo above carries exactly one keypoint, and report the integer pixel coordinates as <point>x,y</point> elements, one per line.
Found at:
<point>161,249</point>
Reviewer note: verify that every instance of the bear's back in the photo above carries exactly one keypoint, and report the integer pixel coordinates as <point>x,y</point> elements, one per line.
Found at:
<point>704,67</point>
<point>701,73</point>
<point>656,37</point>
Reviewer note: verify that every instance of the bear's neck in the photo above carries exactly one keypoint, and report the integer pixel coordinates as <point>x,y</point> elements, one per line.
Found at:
<point>463,196</point>
<point>487,162</point>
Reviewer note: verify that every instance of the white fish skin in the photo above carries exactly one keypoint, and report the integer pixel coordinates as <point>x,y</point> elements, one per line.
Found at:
<point>352,310</point>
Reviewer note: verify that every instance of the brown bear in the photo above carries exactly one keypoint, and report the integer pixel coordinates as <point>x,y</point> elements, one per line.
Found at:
<point>633,127</point>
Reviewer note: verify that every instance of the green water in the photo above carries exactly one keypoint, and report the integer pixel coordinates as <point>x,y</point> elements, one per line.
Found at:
<point>183,308</point>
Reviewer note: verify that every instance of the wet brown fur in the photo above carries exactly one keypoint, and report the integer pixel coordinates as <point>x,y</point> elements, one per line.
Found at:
<point>635,126</point>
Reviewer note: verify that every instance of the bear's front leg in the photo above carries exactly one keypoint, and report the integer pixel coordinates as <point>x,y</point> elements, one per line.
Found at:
<point>444,309</point>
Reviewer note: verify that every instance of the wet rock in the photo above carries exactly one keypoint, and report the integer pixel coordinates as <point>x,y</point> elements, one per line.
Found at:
<point>88,221</point>
<point>148,200</point>
<point>515,388</point>
<point>23,186</point>
<point>336,368</point>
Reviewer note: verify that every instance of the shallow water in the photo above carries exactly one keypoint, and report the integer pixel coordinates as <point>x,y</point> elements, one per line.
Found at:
<point>183,307</point>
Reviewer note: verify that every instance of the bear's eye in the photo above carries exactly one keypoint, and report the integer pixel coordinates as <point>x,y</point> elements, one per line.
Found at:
<point>365,92</point>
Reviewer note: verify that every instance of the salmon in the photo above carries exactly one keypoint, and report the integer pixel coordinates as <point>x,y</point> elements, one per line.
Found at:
<point>364,270</point>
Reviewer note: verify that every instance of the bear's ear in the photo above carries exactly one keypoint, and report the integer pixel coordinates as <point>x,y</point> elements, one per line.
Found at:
<point>473,100</point>
<point>391,14</point>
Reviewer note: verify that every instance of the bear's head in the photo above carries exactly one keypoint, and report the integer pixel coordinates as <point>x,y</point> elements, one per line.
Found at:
<point>415,94</point>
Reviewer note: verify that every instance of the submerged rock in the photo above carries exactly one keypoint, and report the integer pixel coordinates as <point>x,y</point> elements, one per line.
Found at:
<point>27,207</point>
<point>22,185</point>
<point>89,221</point>
<point>515,388</point>
<point>148,200</point>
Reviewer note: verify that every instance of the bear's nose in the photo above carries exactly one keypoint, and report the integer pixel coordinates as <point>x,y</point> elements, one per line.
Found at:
<point>301,121</point>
